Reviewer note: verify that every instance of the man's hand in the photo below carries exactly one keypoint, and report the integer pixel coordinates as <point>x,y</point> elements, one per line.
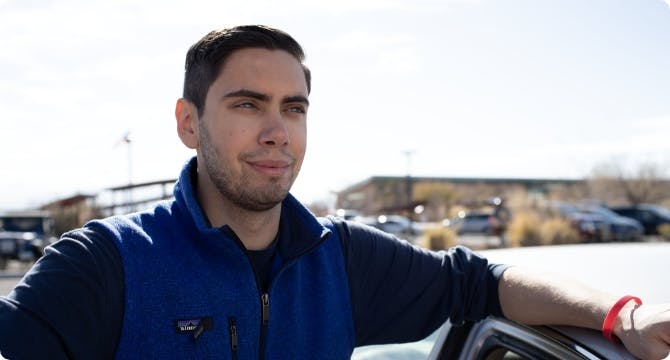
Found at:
<point>533,298</point>
<point>645,330</point>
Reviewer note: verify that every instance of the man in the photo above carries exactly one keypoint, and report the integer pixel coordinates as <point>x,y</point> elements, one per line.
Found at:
<point>235,267</point>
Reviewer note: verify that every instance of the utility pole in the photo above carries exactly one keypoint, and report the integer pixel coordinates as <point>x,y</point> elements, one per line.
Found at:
<point>408,186</point>
<point>408,158</point>
<point>127,140</point>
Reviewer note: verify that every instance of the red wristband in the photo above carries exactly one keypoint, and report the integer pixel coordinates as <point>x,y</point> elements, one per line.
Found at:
<point>610,319</point>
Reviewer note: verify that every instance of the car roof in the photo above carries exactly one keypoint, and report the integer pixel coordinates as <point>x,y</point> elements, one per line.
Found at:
<point>638,269</point>
<point>619,268</point>
<point>473,214</point>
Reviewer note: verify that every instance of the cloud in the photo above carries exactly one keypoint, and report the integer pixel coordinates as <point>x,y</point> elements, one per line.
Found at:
<point>376,54</point>
<point>667,2</point>
<point>357,40</point>
<point>376,6</point>
<point>398,61</point>
<point>659,123</point>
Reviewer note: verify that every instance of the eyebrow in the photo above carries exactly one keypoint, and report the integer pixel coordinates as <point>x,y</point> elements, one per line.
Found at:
<point>296,99</point>
<point>247,93</point>
<point>264,97</point>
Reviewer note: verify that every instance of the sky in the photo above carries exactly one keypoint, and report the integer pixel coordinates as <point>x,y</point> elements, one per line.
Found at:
<point>455,88</point>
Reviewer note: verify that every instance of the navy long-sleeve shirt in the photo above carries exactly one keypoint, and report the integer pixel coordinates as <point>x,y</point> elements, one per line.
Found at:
<point>70,304</point>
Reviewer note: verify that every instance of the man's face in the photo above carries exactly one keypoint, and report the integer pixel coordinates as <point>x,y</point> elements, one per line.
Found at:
<point>252,132</point>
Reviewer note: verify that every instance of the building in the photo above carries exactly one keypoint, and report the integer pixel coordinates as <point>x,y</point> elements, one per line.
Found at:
<point>71,212</point>
<point>74,211</point>
<point>432,198</point>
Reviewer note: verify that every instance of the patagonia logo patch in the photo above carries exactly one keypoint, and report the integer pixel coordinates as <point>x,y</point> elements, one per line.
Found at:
<point>195,324</point>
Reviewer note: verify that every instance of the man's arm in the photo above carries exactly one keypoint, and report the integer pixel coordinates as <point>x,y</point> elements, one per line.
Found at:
<point>532,298</point>
<point>401,293</point>
<point>69,305</point>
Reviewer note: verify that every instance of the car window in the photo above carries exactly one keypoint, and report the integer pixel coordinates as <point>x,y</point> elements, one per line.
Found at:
<point>500,339</point>
<point>647,216</point>
<point>504,354</point>
<point>626,212</point>
<point>22,224</point>
<point>603,211</point>
<point>501,346</point>
<point>418,350</point>
<point>476,217</point>
<point>660,210</point>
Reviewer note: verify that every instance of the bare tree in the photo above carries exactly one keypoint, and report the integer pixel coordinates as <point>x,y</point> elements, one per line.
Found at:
<point>438,198</point>
<point>644,183</point>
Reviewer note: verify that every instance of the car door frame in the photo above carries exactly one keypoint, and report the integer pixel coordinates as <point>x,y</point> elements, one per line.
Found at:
<point>476,341</point>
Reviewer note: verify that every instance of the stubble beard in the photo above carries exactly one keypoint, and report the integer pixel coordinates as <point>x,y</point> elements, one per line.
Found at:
<point>241,191</point>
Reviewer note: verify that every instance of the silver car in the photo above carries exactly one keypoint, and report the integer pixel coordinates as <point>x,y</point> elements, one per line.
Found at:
<point>631,268</point>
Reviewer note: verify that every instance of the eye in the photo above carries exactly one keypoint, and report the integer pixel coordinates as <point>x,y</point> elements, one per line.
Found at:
<point>299,109</point>
<point>245,105</point>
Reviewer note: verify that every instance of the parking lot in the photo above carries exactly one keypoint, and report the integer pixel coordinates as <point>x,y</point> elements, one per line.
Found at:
<point>15,270</point>
<point>10,277</point>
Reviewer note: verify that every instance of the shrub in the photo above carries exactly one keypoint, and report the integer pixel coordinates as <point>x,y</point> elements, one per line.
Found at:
<point>439,238</point>
<point>524,230</point>
<point>557,231</point>
<point>664,231</point>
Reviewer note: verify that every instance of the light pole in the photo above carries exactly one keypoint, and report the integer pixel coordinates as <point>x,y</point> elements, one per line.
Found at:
<point>127,139</point>
<point>408,187</point>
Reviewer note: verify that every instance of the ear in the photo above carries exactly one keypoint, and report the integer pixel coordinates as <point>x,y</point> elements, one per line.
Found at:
<point>187,123</point>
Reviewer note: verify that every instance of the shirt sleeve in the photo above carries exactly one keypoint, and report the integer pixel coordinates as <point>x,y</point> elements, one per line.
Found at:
<point>402,293</point>
<point>69,305</point>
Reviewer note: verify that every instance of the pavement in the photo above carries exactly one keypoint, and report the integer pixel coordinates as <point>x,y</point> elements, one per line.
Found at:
<point>11,276</point>
<point>16,268</point>
<point>480,242</point>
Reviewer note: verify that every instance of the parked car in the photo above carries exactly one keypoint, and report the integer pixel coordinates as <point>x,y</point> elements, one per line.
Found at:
<point>393,224</point>
<point>348,214</point>
<point>23,236</point>
<point>649,215</point>
<point>590,227</point>
<point>496,338</point>
<point>477,223</point>
<point>621,228</point>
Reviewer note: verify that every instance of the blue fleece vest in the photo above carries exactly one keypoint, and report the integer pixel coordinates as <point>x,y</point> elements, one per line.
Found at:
<point>191,292</point>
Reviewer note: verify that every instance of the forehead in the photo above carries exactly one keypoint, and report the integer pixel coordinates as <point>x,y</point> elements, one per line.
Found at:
<point>262,70</point>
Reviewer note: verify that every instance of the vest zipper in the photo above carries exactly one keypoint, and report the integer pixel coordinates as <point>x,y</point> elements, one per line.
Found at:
<point>265,300</point>
<point>265,318</point>
<point>233,337</point>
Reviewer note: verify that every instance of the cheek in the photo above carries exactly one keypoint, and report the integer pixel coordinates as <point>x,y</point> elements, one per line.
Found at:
<point>299,136</point>
<point>234,137</point>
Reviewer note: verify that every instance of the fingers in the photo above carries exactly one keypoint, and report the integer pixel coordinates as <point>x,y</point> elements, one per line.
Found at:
<point>650,333</point>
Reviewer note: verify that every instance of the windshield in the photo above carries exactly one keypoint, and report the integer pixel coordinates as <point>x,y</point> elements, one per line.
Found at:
<point>661,210</point>
<point>22,224</point>
<point>602,211</point>
<point>407,351</point>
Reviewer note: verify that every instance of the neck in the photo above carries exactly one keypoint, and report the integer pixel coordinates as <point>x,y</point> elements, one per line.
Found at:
<point>255,229</point>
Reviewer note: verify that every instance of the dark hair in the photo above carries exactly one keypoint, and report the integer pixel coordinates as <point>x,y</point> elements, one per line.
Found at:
<point>205,58</point>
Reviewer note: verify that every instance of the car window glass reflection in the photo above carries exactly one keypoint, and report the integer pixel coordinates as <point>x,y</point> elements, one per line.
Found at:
<point>504,354</point>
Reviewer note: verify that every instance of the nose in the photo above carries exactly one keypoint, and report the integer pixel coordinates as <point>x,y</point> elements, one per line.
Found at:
<point>275,132</point>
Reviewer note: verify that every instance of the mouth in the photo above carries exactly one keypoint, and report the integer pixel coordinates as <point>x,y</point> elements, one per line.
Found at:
<point>273,168</point>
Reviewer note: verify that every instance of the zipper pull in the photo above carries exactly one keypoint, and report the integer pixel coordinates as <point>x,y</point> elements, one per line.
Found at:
<point>206,323</point>
<point>265,303</point>
<point>233,334</point>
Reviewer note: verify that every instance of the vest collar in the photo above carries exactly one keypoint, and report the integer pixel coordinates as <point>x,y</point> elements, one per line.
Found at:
<point>299,229</point>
